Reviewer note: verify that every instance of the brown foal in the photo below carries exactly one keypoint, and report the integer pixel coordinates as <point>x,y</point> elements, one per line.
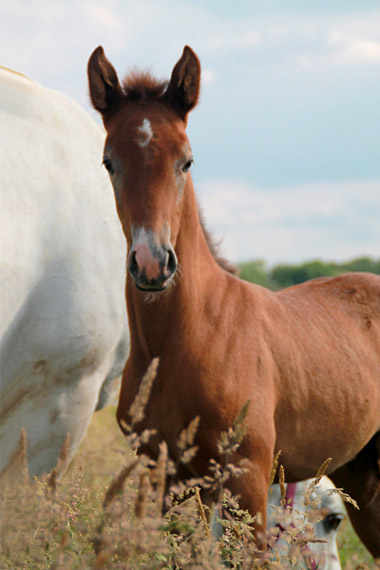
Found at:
<point>308,357</point>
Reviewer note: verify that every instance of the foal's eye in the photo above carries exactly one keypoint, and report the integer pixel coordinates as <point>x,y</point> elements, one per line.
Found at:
<point>108,164</point>
<point>186,167</point>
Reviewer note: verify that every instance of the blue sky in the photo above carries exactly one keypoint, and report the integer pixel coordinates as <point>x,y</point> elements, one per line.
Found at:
<point>287,134</point>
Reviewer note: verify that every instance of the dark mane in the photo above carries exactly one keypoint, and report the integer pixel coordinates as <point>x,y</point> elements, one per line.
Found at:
<point>142,85</point>
<point>214,247</point>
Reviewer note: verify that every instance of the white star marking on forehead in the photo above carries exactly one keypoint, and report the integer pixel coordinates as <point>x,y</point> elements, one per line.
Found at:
<point>145,133</point>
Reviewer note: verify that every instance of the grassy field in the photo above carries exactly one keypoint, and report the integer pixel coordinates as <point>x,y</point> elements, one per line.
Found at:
<point>92,519</point>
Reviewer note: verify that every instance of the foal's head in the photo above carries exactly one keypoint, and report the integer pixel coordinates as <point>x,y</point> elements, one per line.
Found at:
<point>148,156</point>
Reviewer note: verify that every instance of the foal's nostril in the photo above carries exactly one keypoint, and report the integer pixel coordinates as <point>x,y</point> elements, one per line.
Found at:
<point>132,263</point>
<point>171,264</point>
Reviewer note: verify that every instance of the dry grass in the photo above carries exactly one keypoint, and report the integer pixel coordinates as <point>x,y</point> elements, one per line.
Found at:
<point>106,512</point>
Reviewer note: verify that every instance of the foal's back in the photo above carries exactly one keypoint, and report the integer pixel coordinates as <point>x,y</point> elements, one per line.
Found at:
<point>324,337</point>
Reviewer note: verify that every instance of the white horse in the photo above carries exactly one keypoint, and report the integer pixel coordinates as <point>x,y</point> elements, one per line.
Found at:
<point>322,555</point>
<point>63,330</point>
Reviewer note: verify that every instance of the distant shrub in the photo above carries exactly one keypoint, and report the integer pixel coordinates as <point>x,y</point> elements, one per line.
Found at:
<point>255,271</point>
<point>362,264</point>
<point>285,275</point>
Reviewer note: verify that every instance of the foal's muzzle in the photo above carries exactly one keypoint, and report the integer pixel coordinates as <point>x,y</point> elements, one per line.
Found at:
<point>152,268</point>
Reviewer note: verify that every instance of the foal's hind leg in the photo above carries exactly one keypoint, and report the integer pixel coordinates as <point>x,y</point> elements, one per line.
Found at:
<point>361,480</point>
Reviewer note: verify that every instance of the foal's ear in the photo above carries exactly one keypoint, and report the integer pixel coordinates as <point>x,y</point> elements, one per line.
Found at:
<point>184,85</point>
<point>103,82</point>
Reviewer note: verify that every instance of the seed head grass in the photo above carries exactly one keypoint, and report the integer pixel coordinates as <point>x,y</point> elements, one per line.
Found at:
<point>108,510</point>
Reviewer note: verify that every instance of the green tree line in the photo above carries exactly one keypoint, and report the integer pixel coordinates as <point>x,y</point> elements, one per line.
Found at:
<point>280,276</point>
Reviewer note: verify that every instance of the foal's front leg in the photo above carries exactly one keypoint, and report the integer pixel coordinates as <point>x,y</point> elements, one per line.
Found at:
<point>251,489</point>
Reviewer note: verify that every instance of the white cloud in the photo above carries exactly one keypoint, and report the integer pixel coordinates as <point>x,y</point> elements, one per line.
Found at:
<point>354,51</point>
<point>326,220</point>
<point>209,76</point>
<point>52,39</point>
<point>103,16</point>
<point>351,42</point>
<point>234,40</point>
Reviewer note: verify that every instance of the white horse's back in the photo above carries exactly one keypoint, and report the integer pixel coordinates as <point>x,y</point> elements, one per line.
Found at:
<point>63,318</point>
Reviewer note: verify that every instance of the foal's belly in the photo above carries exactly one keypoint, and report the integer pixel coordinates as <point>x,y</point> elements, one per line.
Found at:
<point>341,431</point>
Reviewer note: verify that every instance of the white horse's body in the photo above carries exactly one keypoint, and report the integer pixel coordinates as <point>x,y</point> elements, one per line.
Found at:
<point>324,554</point>
<point>63,324</point>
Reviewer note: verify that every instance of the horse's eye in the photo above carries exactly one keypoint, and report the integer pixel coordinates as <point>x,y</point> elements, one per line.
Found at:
<point>186,167</point>
<point>108,164</point>
<point>331,522</point>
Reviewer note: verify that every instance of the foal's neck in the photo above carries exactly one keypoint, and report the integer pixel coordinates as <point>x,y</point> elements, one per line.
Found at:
<point>156,318</point>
